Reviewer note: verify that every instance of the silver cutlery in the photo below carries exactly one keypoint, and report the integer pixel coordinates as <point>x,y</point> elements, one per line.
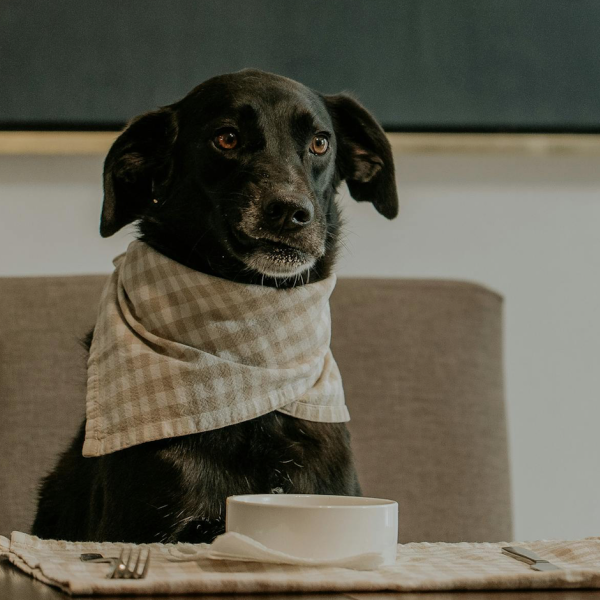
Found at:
<point>130,564</point>
<point>537,563</point>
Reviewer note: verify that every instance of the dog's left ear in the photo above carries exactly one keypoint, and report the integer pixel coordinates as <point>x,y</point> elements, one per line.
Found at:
<point>364,155</point>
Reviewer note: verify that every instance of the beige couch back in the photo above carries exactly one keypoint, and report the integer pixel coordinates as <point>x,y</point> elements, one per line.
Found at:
<point>422,369</point>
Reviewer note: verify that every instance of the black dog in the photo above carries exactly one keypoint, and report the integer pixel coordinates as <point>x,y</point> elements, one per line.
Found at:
<point>237,180</point>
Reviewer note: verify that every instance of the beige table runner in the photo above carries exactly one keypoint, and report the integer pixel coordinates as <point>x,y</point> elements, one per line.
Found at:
<point>419,567</point>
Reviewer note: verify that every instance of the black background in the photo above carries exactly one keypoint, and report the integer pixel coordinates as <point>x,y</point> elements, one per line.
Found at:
<point>418,65</point>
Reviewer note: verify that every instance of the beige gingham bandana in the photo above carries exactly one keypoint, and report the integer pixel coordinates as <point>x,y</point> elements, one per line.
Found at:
<point>176,352</point>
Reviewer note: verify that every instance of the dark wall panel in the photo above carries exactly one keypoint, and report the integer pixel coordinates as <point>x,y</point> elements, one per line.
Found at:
<point>417,64</point>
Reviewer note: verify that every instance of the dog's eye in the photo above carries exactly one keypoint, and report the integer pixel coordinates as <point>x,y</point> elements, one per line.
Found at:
<point>319,145</point>
<point>226,140</point>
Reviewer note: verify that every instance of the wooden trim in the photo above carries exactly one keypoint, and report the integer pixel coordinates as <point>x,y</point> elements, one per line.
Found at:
<point>495,143</point>
<point>58,143</point>
<point>70,143</point>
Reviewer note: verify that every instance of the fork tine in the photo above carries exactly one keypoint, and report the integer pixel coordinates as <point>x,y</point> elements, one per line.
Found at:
<point>127,570</point>
<point>123,569</point>
<point>130,564</point>
<point>137,563</point>
<point>117,569</point>
<point>146,566</point>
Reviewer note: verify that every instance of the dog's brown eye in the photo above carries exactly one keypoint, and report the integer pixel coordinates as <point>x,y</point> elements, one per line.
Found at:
<point>227,140</point>
<point>319,144</point>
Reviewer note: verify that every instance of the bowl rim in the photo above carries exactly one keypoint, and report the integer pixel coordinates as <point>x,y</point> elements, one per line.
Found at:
<point>253,500</point>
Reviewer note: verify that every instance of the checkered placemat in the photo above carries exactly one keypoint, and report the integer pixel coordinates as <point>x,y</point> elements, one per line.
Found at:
<point>419,567</point>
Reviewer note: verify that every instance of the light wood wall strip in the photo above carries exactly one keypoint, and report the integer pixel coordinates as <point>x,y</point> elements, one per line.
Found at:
<point>65,143</point>
<point>70,143</point>
<point>495,143</point>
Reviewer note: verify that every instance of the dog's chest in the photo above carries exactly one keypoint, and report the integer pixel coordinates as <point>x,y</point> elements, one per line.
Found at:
<point>275,453</point>
<point>272,454</point>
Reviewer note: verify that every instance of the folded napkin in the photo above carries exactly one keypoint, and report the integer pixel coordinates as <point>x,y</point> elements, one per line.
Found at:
<point>418,567</point>
<point>237,547</point>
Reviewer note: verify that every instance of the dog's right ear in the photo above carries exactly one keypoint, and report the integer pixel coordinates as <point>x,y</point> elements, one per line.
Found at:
<point>138,159</point>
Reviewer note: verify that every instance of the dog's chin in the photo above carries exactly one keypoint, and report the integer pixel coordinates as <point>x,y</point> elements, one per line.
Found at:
<point>270,257</point>
<point>279,262</point>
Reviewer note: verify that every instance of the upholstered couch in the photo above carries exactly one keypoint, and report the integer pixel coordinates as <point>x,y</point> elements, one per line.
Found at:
<point>422,368</point>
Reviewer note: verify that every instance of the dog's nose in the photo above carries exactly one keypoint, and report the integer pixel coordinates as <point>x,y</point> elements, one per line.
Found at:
<point>289,214</point>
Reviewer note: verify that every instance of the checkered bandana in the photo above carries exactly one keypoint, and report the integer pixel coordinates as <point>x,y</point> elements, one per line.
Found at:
<point>176,351</point>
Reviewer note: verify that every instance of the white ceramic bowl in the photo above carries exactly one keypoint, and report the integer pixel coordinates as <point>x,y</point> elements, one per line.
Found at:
<point>318,527</point>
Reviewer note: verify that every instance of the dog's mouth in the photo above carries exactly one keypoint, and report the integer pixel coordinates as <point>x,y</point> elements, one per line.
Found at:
<point>270,256</point>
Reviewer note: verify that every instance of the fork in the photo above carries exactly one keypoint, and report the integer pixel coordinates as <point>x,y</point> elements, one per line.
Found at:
<point>131,563</point>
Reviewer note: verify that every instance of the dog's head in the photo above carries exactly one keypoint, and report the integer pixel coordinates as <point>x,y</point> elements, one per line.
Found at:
<point>238,179</point>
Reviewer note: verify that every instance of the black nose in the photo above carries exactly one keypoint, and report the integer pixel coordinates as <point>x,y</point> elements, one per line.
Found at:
<point>289,214</point>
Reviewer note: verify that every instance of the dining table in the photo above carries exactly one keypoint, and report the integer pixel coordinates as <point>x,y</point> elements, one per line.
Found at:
<point>16,585</point>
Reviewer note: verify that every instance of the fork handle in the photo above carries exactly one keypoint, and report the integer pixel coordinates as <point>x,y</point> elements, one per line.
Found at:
<point>103,560</point>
